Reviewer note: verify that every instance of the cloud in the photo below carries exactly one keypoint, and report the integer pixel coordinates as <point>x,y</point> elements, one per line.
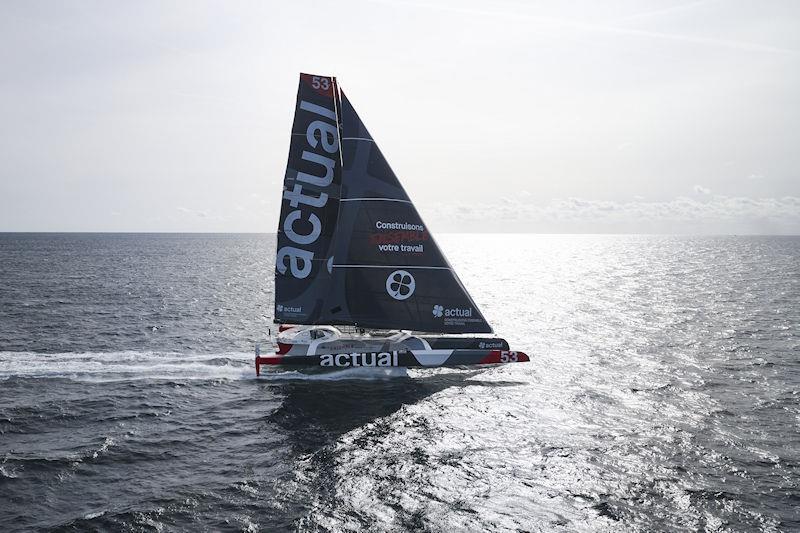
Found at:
<point>699,189</point>
<point>755,176</point>
<point>186,210</point>
<point>580,214</point>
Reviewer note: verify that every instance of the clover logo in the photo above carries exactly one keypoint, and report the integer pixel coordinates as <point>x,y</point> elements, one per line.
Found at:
<point>400,285</point>
<point>438,311</point>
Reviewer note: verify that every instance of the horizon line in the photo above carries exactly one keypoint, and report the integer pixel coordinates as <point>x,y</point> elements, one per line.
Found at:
<point>26,232</point>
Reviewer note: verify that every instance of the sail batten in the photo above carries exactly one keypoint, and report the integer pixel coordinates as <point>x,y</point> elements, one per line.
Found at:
<point>395,266</point>
<point>375,200</point>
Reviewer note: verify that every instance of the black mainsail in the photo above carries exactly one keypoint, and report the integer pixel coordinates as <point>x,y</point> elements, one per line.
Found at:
<point>352,248</point>
<point>310,203</point>
<point>387,271</point>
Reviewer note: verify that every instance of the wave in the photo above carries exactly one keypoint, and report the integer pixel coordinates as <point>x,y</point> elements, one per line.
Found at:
<point>135,365</point>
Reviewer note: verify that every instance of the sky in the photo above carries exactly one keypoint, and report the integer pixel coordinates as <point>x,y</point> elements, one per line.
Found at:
<point>546,117</point>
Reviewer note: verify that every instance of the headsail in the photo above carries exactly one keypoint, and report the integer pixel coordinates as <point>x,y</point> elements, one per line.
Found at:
<point>310,203</point>
<point>388,272</point>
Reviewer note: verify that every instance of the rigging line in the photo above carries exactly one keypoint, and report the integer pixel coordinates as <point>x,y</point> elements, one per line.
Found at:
<point>374,200</point>
<point>358,139</point>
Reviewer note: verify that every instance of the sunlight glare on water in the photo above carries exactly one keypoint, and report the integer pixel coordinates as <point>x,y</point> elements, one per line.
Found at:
<point>662,393</point>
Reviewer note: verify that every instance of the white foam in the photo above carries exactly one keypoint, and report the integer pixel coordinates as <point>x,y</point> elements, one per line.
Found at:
<point>133,365</point>
<point>127,365</point>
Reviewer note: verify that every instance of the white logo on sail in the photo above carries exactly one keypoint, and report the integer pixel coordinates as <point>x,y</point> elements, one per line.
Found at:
<point>454,312</point>
<point>303,200</point>
<point>400,285</point>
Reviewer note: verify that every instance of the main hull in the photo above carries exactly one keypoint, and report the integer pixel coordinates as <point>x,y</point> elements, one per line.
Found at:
<point>405,358</point>
<point>328,347</point>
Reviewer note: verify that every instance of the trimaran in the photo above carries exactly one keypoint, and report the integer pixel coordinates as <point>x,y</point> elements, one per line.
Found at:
<point>359,280</point>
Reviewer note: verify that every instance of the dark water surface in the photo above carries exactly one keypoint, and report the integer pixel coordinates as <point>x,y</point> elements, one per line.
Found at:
<point>664,393</point>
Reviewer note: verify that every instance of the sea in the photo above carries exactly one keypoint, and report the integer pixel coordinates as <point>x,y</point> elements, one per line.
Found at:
<point>663,393</point>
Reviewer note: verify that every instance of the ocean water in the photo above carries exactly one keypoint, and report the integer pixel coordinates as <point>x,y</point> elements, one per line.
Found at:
<point>663,393</point>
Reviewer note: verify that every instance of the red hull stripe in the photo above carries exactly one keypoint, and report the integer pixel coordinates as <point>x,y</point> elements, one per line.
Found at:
<point>274,360</point>
<point>500,356</point>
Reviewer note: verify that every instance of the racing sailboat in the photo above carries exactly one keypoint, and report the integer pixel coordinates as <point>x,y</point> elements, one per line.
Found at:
<point>359,279</point>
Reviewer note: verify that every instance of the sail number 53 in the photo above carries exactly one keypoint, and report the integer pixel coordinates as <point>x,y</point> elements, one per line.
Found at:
<point>508,357</point>
<point>317,83</point>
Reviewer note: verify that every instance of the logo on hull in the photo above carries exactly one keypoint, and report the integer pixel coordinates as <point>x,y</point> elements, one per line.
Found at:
<point>344,360</point>
<point>489,345</point>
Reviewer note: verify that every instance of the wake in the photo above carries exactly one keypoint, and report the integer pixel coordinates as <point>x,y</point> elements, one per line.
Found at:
<point>155,365</point>
<point>127,365</point>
